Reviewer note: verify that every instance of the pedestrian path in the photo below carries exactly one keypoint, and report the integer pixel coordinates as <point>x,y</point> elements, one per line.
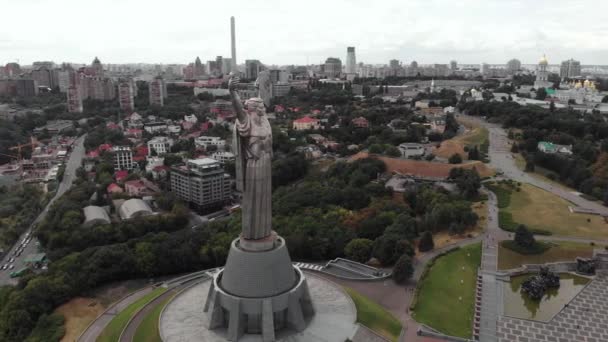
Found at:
<point>307,266</point>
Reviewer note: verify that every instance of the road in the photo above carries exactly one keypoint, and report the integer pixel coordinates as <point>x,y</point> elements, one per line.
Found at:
<point>69,175</point>
<point>501,159</point>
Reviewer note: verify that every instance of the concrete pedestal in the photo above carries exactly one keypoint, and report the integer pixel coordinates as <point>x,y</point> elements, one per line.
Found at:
<point>258,292</point>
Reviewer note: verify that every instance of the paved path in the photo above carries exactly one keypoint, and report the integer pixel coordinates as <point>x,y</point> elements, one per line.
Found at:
<point>501,159</point>
<point>491,291</point>
<point>96,327</point>
<point>69,175</point>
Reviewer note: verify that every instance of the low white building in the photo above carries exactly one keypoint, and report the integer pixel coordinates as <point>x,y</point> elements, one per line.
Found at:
<point>155,127</point>
<point>134,208</point>
<point>190,118</point>
<point>411,150</point>
<point>205,141</point>
<point>223,156</point>
<point>160,145</point>
<point>152,162</point>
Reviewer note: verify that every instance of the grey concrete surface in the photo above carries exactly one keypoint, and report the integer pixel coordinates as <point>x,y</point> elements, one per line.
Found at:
<point>585,318</point>
<point>73,163</point>
<point>334,318</point>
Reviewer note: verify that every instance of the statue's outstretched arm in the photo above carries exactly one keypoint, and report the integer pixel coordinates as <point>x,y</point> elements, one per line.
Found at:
<point>236,99</point>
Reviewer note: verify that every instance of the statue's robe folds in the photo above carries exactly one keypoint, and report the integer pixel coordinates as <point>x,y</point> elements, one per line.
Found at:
<point>253,149</point>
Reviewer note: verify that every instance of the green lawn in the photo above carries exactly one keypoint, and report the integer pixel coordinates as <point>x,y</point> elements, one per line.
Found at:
<point>444,303</point>
<point>112,332</point>
<point>148,329</point>
<point>543,211</point>
<point>374,316</point>
<point>560,251</point>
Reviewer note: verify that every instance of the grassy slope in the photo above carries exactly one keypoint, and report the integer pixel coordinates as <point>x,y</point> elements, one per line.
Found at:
<point>438,304</point>
<point>112,332</point>
<point>562,251</point>
<point>540,209</point>
<point>148,329</point>
<point>375,317</point>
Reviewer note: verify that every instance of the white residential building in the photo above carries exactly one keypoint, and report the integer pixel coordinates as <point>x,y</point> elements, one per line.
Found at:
<point>152,162</point>
<point>190,118</point>
<point>223,156</point>
<point>160,145</point>
<point>123,158</point>
<point>205,141</point>
<point>411,150</point>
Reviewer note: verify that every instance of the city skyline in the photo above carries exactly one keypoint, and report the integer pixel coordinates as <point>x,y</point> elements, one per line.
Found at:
<point>429,32</point>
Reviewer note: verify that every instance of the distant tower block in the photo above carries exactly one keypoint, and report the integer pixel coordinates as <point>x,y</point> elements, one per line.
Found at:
<point>233,45</point>
<point>351,60</point>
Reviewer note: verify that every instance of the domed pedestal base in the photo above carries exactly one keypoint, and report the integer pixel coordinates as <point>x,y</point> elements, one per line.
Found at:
<point>258,292</point>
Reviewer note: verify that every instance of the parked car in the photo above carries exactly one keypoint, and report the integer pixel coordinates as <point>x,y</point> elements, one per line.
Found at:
<point>5,266</point>
<point>11,267</point>
<point>19,253</point>
<point>11,260</point>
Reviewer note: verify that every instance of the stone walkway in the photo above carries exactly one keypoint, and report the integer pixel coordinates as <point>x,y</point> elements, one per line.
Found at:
<point>584,319</point>
<point>491,291</point>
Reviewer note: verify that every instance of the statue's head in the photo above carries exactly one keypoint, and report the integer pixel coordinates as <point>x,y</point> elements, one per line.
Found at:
<point>255,104</point>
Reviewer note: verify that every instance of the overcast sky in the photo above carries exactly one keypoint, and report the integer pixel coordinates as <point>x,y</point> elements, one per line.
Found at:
<point>300,32</point>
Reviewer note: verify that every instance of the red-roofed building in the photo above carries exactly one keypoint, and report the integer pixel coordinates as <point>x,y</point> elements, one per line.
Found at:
<point>279,109</point>
<point>188,125</point>
<point>306,123</point>
<point>104,147</point>
<point>316,112</point>
<point>112,125</point>
<point>114,189</point>
<point>136,188</point>
<point>360,122</point>
<point>140,153</point>
<point>205,126</point>
<point>121,175</point>
<point>160,171</point>
<point>93,154</point>
<point>134,133</point>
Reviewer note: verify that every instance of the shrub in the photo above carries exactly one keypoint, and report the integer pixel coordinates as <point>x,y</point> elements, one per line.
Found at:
<point>359,250</point>
<point>403,269</point>
<point>426,242</point>
<point>455,159</point>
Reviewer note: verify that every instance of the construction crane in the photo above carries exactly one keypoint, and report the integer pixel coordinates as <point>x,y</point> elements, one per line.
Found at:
<point>33,143</point>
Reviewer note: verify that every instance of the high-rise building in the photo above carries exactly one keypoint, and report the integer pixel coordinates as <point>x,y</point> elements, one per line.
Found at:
<point>453,65</point>
<point>201,182</point>
<point>156,89</point>
<point>74,99</point>
<point>570,68</point>
<point>332,67</point>
<point>542,75</point>
<point>199,68</point>
<point>212,68</point>
<point>232,46</point>
<point>12,70</point>
<point>18,87</point>
<point>252,68</point>
<point>123,158</point>
<point>351,60</point>
<point>125,96</point>
<point>484,68</point>
<point>97,67</point>
<point>227,66</point>
<point>43,77</point>
<point>513,66</point>
<point>218,64</point>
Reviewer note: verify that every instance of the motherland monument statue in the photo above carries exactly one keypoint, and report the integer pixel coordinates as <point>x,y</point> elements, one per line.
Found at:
<point>258,291</point>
